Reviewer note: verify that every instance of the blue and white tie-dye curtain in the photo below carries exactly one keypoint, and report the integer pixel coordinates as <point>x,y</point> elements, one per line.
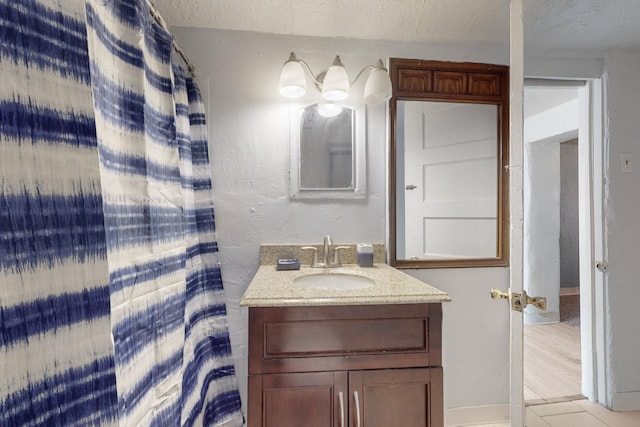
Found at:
<point>172,349</point>
<point>112,310</point>
<point>56,354</point>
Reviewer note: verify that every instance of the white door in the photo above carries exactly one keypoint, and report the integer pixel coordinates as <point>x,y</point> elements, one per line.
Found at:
<point>413,158</point>
<point>516,220</point>
<point>591,203</point>
<point>451,185</point>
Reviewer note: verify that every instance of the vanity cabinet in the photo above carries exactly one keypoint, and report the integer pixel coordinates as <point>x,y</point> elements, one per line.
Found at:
<point>345,366</point>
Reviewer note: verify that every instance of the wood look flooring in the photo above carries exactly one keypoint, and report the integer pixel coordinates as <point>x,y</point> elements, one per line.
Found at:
<point>578,413</point>
<point>552,367</point>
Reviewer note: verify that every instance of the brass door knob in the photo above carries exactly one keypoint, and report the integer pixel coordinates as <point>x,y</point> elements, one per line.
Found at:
<point>538,302</point>
<point>519,301</point>
<point>498,294</point>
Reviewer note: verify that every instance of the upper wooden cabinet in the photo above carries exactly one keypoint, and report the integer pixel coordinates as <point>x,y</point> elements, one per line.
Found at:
<point>452,80</point>
<point>345,366</point>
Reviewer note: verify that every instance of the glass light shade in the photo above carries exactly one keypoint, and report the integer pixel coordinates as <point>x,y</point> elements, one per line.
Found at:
<point>327,109</point>
<point>377,88</point>
<point>293,82</point>
<point>335,86</point>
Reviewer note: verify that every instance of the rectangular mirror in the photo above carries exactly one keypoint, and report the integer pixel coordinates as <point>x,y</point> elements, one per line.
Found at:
<point>328,153</point>
<point>449,183</point>
<point>448,152</point>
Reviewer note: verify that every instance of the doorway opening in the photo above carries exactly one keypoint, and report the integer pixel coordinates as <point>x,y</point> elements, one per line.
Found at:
<point>553,133</point>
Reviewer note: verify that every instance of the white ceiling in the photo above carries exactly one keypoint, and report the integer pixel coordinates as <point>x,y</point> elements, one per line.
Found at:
<point>550,25</point>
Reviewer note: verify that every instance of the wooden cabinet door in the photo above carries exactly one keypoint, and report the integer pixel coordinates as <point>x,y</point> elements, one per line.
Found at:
<point>396,397</point>
<point>299,399</point>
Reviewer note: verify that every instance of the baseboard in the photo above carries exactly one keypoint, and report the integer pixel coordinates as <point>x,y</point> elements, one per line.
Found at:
<point>568,291</point>
<point>629,401</point>
<point>563,399</point>
<point>490,414</point>
<point>535,318</point>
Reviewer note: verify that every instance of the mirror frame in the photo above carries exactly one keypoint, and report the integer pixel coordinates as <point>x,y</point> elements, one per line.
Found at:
<point>463,82</point>
<point>359,144</point>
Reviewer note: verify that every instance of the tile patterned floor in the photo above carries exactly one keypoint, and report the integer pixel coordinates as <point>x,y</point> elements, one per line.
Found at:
<point>492,425</point>
<point>579,413</point>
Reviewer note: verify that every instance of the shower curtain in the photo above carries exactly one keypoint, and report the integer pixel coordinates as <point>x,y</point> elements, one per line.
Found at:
<point>112,308</point>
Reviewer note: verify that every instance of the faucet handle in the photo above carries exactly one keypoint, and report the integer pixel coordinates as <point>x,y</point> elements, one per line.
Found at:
<point>314,263</point>
<point>336,255</point>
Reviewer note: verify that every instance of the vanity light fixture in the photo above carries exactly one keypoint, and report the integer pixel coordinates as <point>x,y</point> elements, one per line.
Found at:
<point>334,83</point>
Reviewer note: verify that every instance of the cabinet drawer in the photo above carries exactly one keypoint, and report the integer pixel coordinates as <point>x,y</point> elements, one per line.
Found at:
<point>297,339</point>
<point>345,336</point>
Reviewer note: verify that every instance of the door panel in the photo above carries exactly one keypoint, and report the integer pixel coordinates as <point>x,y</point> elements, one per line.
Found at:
<point>396,397</point>
<point>305,399</point>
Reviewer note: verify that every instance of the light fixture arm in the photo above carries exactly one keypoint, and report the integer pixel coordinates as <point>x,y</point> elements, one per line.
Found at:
<point>313,76</point>
<point>367,68</point>
<point>318,82</point>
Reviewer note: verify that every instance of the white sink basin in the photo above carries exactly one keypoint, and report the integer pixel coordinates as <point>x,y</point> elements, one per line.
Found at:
<point>334,281</point>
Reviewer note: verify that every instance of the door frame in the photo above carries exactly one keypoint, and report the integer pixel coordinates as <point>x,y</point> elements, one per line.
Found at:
<point>591,184</point>
<point>590,223</point>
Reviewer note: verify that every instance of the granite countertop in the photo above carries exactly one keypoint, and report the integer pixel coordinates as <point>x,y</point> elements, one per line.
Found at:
<point>273,288</point>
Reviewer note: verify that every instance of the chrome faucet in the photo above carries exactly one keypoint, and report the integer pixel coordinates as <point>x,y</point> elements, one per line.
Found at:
<point>326,248</point>
<point>326,252</point>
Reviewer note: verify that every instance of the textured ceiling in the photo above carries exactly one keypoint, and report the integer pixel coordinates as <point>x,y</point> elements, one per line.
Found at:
<point>434,20</point>
<point>588,25</point>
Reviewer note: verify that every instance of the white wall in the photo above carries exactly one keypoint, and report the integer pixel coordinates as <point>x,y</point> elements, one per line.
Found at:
<point>543,134</point>
<point>249,137</point>
<point>541,267</point>
<point>249,144</point>
<point>622,214</point>
<point>475,335</point>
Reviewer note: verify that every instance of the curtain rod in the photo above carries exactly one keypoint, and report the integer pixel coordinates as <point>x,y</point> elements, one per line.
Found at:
<point>155,14</point>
